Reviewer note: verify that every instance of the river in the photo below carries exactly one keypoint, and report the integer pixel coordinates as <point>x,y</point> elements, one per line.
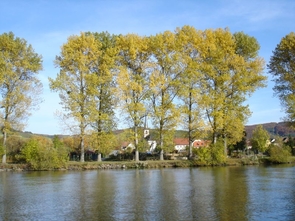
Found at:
<point>219,193</point>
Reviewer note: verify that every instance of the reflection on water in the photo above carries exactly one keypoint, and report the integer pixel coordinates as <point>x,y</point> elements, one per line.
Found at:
<point>223,193</point>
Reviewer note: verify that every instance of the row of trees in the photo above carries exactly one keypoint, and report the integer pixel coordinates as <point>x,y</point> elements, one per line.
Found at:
<point>197,79</point>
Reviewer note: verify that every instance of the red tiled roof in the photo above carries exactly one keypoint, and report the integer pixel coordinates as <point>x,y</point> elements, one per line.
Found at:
<point>181,141</point>
<point>200,143</point>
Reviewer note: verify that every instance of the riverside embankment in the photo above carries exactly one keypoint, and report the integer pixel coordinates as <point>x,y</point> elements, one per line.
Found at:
<point>73,165</point>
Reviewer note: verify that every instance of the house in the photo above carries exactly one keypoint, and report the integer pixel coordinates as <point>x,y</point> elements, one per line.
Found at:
<point>200,143</point>
<point>127,145</point>
<point>180,143</point>
<point>152,145</point>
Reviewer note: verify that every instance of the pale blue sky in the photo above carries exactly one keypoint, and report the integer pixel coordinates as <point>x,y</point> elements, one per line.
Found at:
<point>46,25</point>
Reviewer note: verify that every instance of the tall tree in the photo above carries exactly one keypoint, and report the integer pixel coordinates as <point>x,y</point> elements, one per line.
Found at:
<point>189,40</point>
<point>282,68</point>
<point>165,83</point>
<point>104,116</point>
<point>133,80</point>
<point>231,71</point>
<point>246,77</point>
<point>19,85</point>
<point>77,81</point>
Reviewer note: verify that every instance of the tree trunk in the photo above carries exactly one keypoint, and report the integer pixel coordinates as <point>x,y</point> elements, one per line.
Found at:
<point>225,147</point>
<point>161,155</point>
<point>4,147</point>
<point>190,155</point>
<point>136,155</point>
<point>136,143</point>
<point>161,145</point>
<point>82,149</point>
<point>99,157</point>
<point>214,137</point>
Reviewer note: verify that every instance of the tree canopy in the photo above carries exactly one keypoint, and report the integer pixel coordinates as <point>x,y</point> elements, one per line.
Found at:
<point>282,67</point>
<point>132,80</point>
<point>77,82</point>
<point>196,79</point>
<point>200,79</point>
<point>20,88</point>
<point>260,139</point>
<point>165,83</point>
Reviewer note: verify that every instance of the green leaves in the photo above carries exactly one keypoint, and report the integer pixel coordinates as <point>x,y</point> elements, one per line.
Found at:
<point>204,76</point>
<point>20,89</point>
<point>41,154</point>
<point>221,69</point>
<point>282,68</point>
<point>85,83</point>
<point>260,139</point>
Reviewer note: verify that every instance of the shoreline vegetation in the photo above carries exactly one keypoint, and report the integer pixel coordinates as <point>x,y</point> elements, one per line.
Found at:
<point>151,164</point>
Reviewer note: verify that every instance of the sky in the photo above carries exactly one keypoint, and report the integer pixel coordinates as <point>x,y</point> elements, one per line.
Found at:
<point>47,24</point>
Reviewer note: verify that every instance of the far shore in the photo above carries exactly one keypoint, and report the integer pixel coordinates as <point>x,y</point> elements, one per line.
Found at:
<point>93,165</point>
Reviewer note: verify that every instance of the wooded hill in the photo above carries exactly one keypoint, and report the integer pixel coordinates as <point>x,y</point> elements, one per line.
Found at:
<point>281,129</point>
<point>275,129</point>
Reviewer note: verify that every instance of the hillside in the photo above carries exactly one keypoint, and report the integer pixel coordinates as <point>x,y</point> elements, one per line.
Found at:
<point>280,129</point>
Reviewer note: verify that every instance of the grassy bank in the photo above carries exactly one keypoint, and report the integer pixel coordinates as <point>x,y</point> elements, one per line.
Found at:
<point>73,165</point>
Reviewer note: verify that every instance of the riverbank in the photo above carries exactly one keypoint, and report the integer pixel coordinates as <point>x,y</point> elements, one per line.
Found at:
<point>74,165</point>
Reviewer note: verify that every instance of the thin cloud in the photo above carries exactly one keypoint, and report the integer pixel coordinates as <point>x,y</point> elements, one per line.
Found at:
<point>256,14</point>
<point>46,25</point>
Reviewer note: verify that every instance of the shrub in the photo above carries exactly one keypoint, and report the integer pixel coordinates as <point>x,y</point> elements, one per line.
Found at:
<point>212,155</point>
<point>279,154</point>
<point>218,156</point>
<point>14,144</point>
<point>40,154</point>
<point>203,155</point>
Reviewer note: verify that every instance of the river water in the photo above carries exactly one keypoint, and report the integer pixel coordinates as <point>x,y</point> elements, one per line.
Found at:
<point>221,193</point>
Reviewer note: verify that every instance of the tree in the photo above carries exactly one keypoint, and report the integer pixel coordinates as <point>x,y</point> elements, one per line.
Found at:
<point>20,88</point>
<point>77,82</point>
<point>72,143</point>
<point>260,139</point>
<point>282,68</point>
<point>189,40</point>
<point>231,71</point>
<point>104,116</point>
<point>132,80</point>
<point>165,83</point>
<point>104,142</point>
<point>57,143</point>
<point>246,77</point>
<point>242,144</point>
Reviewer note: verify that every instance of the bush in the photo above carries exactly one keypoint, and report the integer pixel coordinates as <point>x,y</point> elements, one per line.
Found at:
<point>279,154</point>
<point>218,156</point>
<point>40,154</point>
<point>212,155</point>
<point>14,144</point>
<point>203,155</point>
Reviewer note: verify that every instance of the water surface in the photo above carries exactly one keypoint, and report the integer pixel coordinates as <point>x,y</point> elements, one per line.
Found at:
<point>223,193</point>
